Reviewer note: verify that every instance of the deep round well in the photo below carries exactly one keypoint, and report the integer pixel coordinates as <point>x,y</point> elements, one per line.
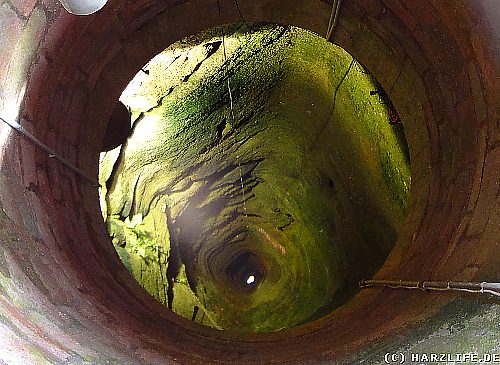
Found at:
<point>65,297</point>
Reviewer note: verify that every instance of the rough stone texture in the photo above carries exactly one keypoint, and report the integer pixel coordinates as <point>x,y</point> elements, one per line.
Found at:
<point>303,185</point>
<point>64,295</point>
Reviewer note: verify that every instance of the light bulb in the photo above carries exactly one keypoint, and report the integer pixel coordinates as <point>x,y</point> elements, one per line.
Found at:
<point>83,7</point>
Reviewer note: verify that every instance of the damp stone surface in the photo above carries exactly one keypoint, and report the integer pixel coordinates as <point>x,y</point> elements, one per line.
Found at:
<point>264,216</point>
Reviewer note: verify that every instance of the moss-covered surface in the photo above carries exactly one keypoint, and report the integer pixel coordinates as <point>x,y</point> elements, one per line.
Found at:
<point>304,186</point>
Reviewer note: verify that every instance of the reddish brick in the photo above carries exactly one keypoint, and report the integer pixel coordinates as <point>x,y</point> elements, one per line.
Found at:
<point>60,39</point>
<point>53,171</point>
<point>417,56</point>
<point>456,199</point>
<point>479,165</point>
<point>454,242</point>
<point>400,9</point>
<point>480,107</point>
<point>10,29</point>
<point>435,148</point>
<point>419,150</point>
<point>458,31</point>
<point>489,191</point>
<point>137,14</point>
<point>488,73</point>
<point>435,95</point>
<point>24,7</point>
<point>28,152</point>
<point>390,42</point>
<point>419,189</point>
<point>448,139</point>
<point>445,49</point>
<point>343,37</point>
<point>494,132</point>
<point>73,106</point>
<point>45,187</point>
<point>424,42</point>
<point>37,100</point>
<point>467,117</point>
<point>449,108</point>
<point>425,12</point>
<point>372,8</point>
<point>95,67</point>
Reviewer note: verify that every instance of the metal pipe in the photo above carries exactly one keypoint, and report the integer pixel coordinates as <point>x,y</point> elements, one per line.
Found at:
<point>52,154</point>
<point>471,287</point>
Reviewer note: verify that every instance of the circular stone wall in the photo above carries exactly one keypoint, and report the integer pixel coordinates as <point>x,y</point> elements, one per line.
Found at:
<point>64,295</point>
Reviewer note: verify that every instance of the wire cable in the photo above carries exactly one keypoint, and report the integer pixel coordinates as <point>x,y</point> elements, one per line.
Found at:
<point>313,144</point>
<point>470,287</point>
<point>231,105</point>
<point>52,154</point>
<point>241,16</point>
<point>333,18</point>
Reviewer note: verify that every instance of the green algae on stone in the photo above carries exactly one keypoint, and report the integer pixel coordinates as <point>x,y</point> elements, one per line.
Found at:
<point>303,185</point>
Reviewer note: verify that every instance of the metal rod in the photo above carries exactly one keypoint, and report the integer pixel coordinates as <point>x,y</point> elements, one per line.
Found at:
<point>333,18</point>
<point>19,128</point>
<point>471,287</point>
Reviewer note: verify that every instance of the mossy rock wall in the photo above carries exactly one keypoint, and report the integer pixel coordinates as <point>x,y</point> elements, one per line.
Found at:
<point>301,184</point>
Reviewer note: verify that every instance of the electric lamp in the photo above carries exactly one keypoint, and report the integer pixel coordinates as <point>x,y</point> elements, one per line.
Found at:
<point>83,7</point>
